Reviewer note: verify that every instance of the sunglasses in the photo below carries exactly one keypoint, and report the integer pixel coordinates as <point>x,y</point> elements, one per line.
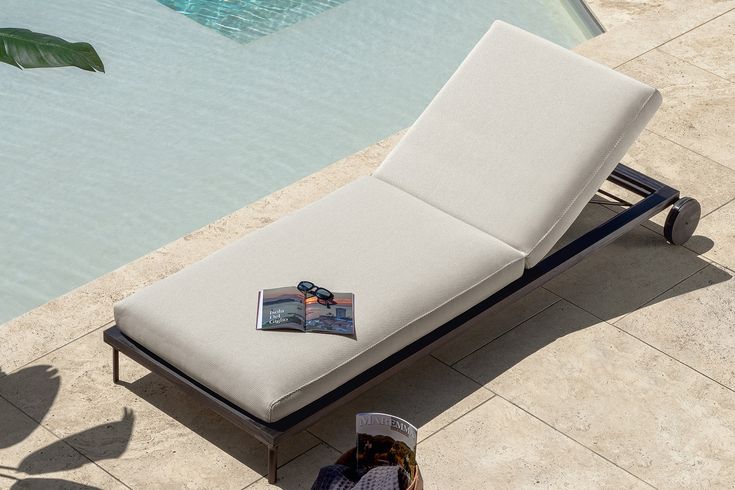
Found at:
<point>323,296</point>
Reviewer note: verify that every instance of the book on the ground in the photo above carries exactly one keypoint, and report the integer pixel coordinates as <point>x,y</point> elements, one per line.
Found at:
<point>383,439</point>
<point>287,308</point>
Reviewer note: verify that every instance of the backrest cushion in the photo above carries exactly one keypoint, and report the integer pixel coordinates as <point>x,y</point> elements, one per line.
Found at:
<point>520,138</point>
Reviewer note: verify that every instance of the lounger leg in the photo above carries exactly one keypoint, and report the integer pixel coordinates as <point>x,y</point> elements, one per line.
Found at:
<point>272,464</point>
<point>115,366</point>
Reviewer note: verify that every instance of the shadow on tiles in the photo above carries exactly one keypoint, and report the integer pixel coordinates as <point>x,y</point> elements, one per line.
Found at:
<point>45,484</point>
<point>172,401</point>
<point>638,267</point>
<point>57,456</point>
<point>628,273</point>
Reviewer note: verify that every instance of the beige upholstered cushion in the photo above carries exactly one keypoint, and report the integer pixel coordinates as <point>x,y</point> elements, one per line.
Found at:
<point>483,185</point>
<point>520,138</point>
<point>412,267</point>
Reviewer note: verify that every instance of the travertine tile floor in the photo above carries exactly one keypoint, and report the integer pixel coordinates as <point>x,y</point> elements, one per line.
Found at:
<point>617,374</point>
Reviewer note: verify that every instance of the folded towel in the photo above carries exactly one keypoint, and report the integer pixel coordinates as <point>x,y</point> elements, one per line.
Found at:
<point>341,477</point>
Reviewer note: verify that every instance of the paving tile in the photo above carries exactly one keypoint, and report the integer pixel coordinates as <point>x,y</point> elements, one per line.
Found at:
<point>486,327</point>
<point>498,445</point>
<point>32,457</point>
<point>146,432</point>
<point>715,236</point>
<point>693,175</point>
<point>710,46</point>
<point>698,109</point>
<point>44,380</point>
<point>428,394</point>
<point>302,471</point>
<point>625,274</point>
<point>639,408</point>
<point>693,322</point>
<point>614,13</point>
<point>661,21</point>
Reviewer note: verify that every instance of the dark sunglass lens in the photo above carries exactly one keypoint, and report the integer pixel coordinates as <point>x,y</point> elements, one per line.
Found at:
<point>322,293</point>
<point>305,286</point>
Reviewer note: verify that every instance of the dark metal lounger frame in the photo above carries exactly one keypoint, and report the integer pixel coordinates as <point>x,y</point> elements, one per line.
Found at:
<point>656,198</point>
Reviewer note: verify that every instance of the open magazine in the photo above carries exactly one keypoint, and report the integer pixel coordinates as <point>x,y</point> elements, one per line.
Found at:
<point>287,308</point>
<point>383,439</point>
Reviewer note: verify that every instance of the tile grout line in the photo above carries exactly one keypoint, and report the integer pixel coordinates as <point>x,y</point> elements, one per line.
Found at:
<point>689,149</point>
<point>322,441</point>
<point>622,331</point>
<point>712,261</point>
<point>480,385</point>
<point>62,441</point>
<point>678,361</point>
<point>494,395</point>
<point>282,464</point>
<point>670,356</point>
<point>620,317</point>
<point>673,38</point>
<point>253,483</point>
<point>648,302</point>
<point>264,477</point>
<point>504,333</point>
<point>690,63</point>
<point>575,440</point>
<point>716,209</point>
<point>54,350</point>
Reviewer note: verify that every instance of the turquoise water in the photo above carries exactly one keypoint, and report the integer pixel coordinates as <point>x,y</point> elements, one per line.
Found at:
<point>247,20</point>
<point>188,125</point>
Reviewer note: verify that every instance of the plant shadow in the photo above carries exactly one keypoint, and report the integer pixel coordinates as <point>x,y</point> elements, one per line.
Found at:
<point>45,382</point>
<point>105,441</point>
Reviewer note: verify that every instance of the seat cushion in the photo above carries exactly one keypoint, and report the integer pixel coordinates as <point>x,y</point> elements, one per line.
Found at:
<point>520,138</point>
<point>412,268</point>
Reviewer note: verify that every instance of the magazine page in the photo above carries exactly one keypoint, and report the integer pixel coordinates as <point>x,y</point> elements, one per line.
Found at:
<point>280,308</point>
<point>383,439</point>
<point>336,316</point>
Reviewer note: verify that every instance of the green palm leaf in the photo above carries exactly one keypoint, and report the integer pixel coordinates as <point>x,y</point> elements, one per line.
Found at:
<point>28,49</point>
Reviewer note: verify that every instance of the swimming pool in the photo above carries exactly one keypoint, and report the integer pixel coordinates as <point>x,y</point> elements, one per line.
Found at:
<point>188,124</point>
<point>247,20</point>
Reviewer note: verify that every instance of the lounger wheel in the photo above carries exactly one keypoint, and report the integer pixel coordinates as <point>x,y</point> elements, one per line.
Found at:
<point>682,220</point>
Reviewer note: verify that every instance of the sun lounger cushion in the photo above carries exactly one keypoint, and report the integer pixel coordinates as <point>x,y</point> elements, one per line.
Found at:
<point>412,267</point>
<point>520,138</point>
<point>482,186</point>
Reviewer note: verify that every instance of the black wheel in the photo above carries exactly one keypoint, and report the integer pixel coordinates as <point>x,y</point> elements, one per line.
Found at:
<point>682,220</point>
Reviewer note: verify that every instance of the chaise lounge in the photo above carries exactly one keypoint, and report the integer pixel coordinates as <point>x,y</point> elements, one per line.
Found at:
<point>459,219</point>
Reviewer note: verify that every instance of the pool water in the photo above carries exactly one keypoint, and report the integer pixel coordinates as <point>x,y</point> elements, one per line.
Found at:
<point>247,20</point>
<point>188,124</point>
